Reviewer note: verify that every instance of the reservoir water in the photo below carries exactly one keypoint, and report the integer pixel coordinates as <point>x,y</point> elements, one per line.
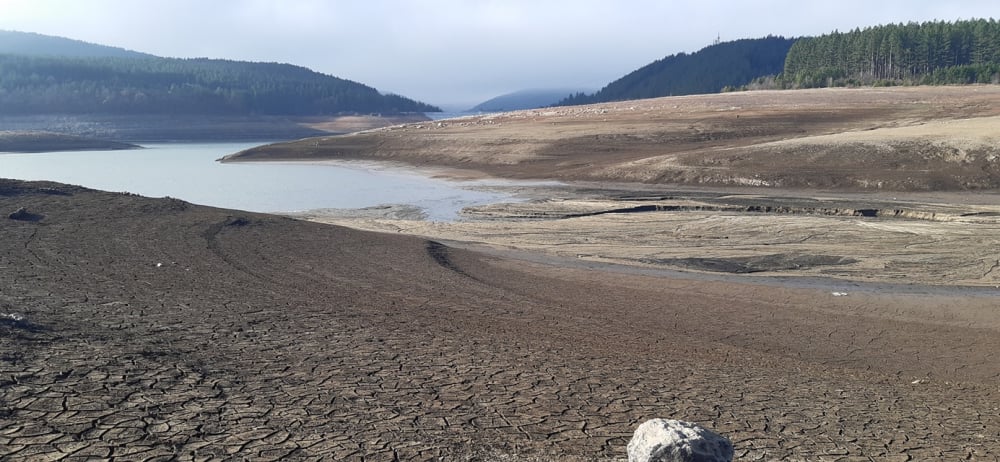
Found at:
<point>189,171</point>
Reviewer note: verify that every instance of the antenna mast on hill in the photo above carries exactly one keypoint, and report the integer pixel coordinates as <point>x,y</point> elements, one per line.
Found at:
<point>718,39</point>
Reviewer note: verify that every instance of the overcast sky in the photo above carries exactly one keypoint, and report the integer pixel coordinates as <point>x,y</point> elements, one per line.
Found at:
<point>458,52</point>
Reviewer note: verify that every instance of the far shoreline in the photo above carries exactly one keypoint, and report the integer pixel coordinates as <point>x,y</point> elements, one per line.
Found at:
<point>32,142</point>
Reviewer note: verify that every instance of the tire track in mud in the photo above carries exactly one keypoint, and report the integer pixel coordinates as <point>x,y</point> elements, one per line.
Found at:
<point>440,254</point>
<point>211,235</point>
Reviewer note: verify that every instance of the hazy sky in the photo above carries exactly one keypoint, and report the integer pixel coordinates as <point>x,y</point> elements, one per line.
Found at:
<point>458,52</point>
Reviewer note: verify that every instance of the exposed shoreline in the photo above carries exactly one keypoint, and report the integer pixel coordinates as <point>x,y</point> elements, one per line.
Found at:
<point>152,128</point>
<point>236,334</point>
<point>895,186</point>
<point>906,139</point>
<point>908,240</point>
<point>36,142</point>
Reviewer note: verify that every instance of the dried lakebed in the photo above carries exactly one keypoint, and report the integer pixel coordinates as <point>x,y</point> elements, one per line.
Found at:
<point>135,328</point>
<point>147,329</point>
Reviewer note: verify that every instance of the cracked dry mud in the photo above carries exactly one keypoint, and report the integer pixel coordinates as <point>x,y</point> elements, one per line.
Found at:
<point>151,329</point>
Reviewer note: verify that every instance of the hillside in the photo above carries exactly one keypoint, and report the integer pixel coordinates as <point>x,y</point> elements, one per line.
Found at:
<point>93,80</point>
<point>524,99</point>
<point>728,64</point>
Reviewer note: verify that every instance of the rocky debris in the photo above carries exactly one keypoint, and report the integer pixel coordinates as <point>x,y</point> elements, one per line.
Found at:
<point>237,222</point>
<point>23,214</point>
<point>18,214</point>
<point>664,440</point>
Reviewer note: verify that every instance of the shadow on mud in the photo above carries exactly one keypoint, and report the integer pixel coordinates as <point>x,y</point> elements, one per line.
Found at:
<point>756,264</point>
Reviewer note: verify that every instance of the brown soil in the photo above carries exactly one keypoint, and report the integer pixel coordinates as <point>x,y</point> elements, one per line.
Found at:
<point>148,329</point>
<point>897,139</point>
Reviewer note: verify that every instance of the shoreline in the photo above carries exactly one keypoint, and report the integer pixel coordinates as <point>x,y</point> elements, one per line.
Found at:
<point>162,128</point>
<point>35,142</point>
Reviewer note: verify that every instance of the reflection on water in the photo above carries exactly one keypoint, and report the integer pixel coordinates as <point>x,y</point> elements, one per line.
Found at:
<point>189,172</point>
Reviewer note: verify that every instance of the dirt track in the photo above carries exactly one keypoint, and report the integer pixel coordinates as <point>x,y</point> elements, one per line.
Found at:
<point>141,329</point>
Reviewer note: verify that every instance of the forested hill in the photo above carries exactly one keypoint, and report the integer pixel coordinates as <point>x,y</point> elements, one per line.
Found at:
<point>927,53</point>
<point>32,84</point>
<point>729,64</point>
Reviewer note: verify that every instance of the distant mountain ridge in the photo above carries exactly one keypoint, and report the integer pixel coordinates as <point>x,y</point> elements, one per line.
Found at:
<point>51,75</point>
<point>727,64</point>
<point>524,99</point>
<point>32,44</point>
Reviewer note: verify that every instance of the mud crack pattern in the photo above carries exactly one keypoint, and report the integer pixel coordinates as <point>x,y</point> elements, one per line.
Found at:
<point>150,331</point>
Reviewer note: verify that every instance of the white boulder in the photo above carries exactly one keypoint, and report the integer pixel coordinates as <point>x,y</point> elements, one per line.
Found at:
<point>663,440</point>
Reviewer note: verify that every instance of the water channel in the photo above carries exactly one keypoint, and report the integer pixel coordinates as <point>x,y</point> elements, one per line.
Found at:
<point>189,171</point>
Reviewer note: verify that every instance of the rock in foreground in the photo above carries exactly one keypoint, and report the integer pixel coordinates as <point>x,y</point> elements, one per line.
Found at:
<point>663,440</point>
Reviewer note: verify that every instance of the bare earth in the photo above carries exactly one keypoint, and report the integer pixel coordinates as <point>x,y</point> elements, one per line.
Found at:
<point>855,322</point>
<point>900,139</point>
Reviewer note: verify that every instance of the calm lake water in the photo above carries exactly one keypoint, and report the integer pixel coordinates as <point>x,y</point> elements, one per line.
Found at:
<point>190,172</point>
